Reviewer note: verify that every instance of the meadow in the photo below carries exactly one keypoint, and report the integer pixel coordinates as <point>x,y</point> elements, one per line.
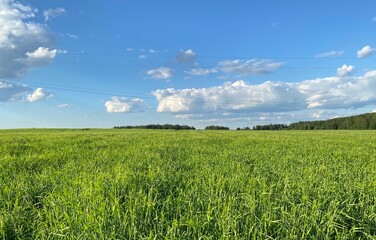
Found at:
<point>165,184</point>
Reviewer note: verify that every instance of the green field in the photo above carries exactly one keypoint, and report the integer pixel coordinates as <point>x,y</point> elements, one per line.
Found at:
<point>145,184</point>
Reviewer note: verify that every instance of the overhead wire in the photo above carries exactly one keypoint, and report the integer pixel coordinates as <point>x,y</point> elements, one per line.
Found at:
<point>151,96</point>
<point>156,55</point>
<point>85,90</point>
<point>119,63</point>
<point>147,96</point>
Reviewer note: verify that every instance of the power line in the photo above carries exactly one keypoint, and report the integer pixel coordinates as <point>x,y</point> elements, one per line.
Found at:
<point>156,55</point>
<point>150,96</point>
<point>127,66</point>
<point>86,90</point>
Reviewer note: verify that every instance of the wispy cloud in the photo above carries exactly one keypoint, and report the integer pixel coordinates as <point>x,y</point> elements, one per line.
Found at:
<point>331,54</point>
<point>201,71</point>
<point>53,13</point>
<point>64,105</point>
<point>72,36</point>
<point>249,67</point>
<point>238,68</point>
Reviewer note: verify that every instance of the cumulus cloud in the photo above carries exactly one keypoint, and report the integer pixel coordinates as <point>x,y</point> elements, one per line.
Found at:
<point>331,54</point>
<point>23,43</point>
<point>201,71</point>
<point>38,95</point>
<point>125,105</point>
<point>12,92</point>
<point>40,57</point>
<point>185,56</point>
<point>241,97</point>
<point>345,70</point>
<point>365,52</point>
<point>161,73</point>
<point>249,67</point>
<point>339,92</point>
<point>237,96</point>
<point>52,13</point>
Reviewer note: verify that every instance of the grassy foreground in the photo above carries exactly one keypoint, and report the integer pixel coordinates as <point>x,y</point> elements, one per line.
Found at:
<point>144,184</point>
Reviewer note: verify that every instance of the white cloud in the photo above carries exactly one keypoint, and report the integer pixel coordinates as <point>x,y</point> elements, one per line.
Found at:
<point>201,71</point>
<point>365,52</point>
<point>239,97</point>
<point>38,95</point>
<point>142,56</point>
<point>161,73</point>
<point>331,54</point>
<point>186,56</point>
<point>345,70</point>
<point>249,67</point>
<point>40,57</point>
<point>338,92</point>
<point>52,13</point>
<point>12,92</point>
<point>19,37</point>
<point>125,105</point>
<point>231,97</point>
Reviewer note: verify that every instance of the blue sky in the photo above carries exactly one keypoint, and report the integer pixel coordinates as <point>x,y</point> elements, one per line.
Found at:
<point>235,63</point>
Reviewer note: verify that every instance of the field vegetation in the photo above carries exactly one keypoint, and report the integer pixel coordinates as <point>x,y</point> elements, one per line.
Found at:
<point>166,184</point>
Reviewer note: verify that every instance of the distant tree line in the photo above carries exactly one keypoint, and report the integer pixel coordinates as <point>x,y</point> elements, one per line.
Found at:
<point>271,127</point>
<point>212,127</point>
<point>359,122</point>
<point>245,128</point>
<point>157,126</point>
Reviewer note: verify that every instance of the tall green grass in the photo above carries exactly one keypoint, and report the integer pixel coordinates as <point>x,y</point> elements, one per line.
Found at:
<point>144,184</point>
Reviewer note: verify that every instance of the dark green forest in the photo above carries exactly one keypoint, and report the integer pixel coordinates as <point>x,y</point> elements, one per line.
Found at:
<point>212,127</point>
<point>359,122</point>
<point>157,126</point>
<point>365,121</point>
